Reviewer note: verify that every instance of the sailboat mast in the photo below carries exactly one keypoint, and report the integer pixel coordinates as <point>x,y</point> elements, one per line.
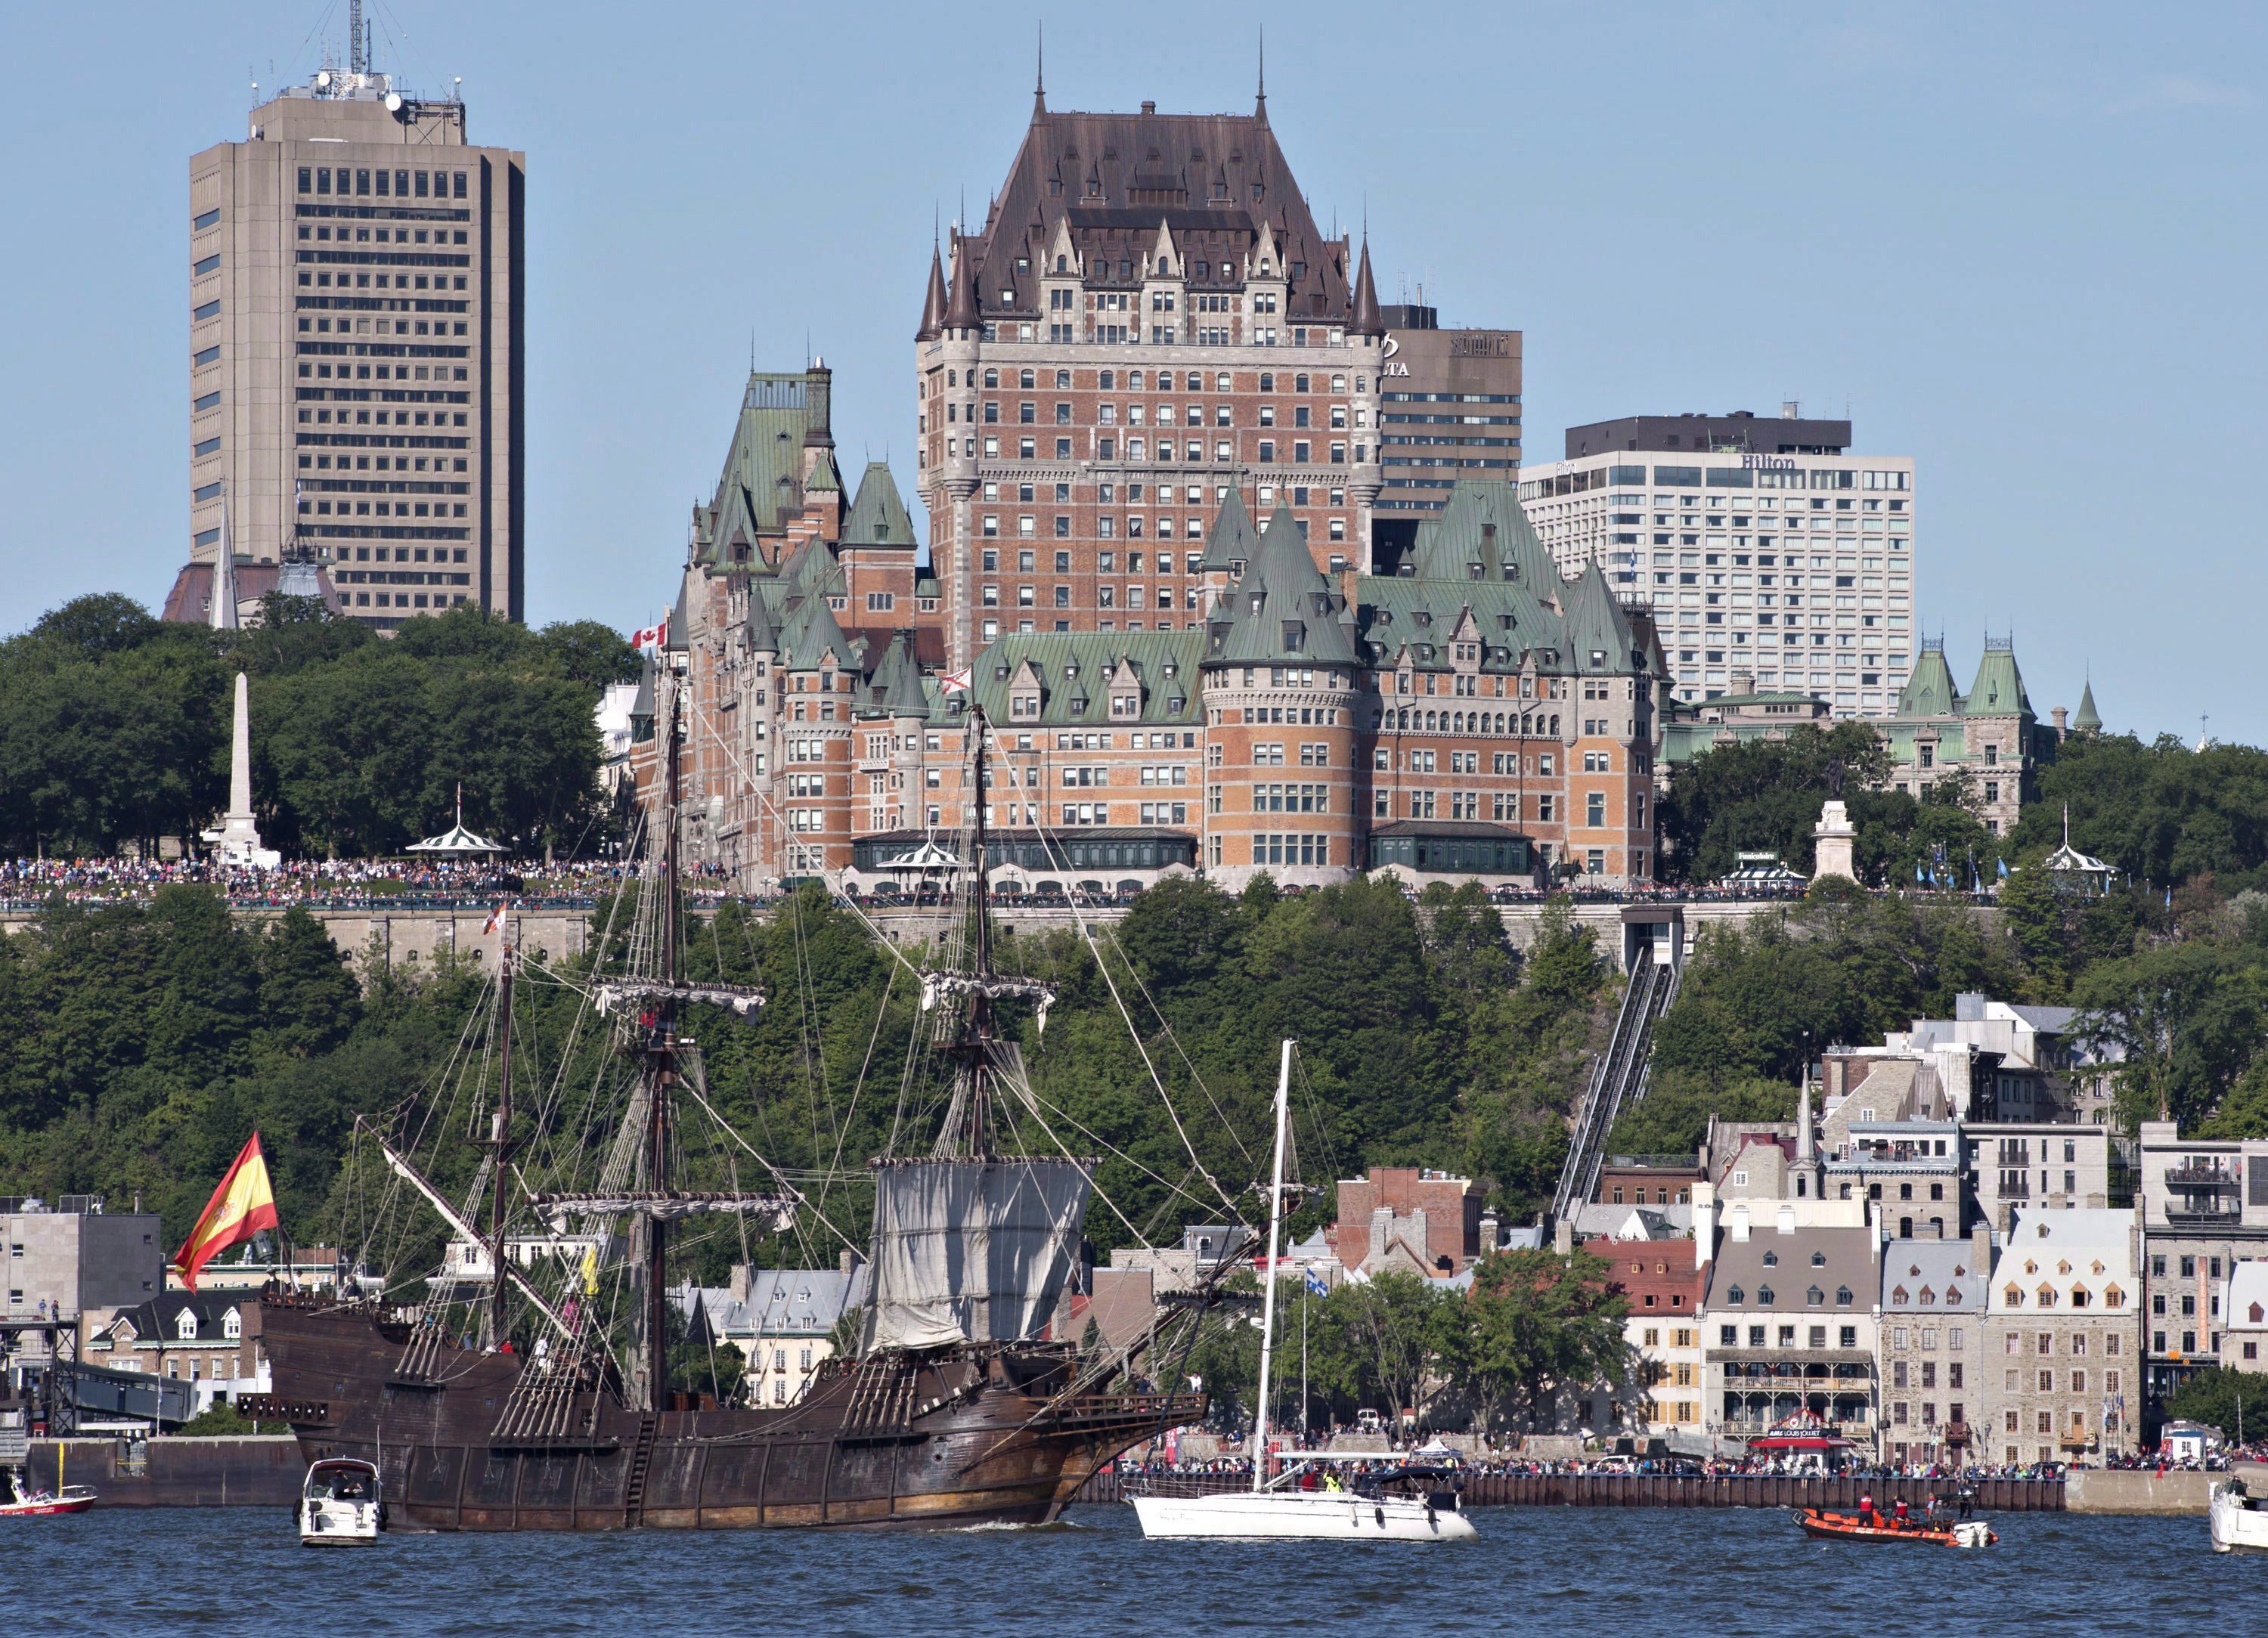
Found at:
<point>1267,1288</point>
<point>500,1141</point>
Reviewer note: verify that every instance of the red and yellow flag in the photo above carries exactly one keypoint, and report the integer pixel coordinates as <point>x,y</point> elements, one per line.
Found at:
<point>240,1207</point>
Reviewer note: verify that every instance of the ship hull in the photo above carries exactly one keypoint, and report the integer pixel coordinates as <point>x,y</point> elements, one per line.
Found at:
<point>935,1441</point>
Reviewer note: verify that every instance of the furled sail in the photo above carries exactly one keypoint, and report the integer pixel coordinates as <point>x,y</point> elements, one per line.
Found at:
<point>972,1250</point>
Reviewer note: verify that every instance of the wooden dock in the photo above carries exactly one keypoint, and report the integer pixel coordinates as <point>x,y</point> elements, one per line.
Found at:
<point>1486,1487</point>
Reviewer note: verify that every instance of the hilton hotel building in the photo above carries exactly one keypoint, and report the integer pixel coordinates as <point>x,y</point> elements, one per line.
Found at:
<point>357,301</point>
<point>1774,560</point>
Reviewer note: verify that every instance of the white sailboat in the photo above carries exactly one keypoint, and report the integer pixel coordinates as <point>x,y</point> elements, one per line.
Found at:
<point>1278,1509</point>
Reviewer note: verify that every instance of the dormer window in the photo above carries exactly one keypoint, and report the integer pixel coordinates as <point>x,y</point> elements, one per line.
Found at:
<point>184,1328</point>
<point>232,1326</point>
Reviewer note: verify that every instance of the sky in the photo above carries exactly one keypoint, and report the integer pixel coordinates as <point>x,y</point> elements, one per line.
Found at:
<point>2023,244</point>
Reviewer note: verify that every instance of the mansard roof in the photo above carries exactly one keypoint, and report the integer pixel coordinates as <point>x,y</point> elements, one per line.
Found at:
<point>878,514</point>
<point>1929,691</point>
<point>1216,182</point>
<point>896,688</point>
<point>761,488</point>
<point>1078,667</point>
<point>1283,608</point>
<point>1999,690</point>
<point>1483,534</point>
<point>1232,538</point>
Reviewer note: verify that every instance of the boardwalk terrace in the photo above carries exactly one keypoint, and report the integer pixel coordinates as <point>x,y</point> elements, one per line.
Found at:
<point>1473,716</point>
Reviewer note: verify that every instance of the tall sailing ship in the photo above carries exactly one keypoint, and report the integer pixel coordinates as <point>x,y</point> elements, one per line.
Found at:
<point>955,1408</point>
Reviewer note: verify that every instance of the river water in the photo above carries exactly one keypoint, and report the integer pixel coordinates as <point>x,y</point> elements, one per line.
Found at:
<point>1535,1570</point>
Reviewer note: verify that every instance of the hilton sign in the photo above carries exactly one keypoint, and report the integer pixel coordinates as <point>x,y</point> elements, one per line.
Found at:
<point>1767,463</point>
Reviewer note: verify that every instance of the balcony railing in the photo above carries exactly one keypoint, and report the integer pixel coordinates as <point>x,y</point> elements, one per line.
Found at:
<point>2200,1174</point>
<point>2195,1217</point>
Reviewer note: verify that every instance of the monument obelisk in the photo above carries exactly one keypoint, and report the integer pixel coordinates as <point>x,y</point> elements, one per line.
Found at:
<point>237,838</point>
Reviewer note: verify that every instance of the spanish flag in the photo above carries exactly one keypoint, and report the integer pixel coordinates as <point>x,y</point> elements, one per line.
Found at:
<point>240,1207</point>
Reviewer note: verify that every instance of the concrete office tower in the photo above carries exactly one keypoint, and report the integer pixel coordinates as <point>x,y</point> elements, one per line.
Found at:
<point>1449,410</point>
<point>1148,319</point>
<point>357,280</point>
<point>1775,562</point>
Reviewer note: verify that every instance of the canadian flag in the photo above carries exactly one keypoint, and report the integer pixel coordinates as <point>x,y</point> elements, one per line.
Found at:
<point>495,918</point>
<point>954,682</point>
<point>651,636</point>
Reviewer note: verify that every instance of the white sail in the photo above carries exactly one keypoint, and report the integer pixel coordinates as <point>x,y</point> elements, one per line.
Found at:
<point>972,1250</point>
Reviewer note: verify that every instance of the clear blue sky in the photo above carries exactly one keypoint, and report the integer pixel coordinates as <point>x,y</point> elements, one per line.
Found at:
<point>2023,243</point>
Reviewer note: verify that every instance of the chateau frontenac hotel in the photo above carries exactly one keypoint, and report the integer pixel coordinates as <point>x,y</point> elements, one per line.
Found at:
<point>1155,402</point>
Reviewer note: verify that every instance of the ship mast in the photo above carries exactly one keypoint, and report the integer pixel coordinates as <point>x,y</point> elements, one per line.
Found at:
<point>659,1069</point>
<point>500,1144</point>
<point>971,1126</point>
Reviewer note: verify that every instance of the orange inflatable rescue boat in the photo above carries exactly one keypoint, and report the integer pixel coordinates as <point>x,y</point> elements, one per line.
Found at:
<point>1881,1527</point>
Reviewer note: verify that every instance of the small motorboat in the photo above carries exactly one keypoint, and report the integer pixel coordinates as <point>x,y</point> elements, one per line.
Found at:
<point>2239,1521</point>
<point>341,1505</point>
<point>1881,1527</point>
<point>27,1502</point>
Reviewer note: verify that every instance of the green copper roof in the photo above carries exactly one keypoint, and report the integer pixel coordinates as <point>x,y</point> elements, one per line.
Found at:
<point>1929,689</point>
<point>1282,609</point>
<point>1999,690</point>
<point>1079,669</point>
<point>895,689</point>
<point>809,634</point>
<point>1232,539</point>
<point>762,485</point>
<point>1599,635</point>
<point>878,516</point>
<point>1483,535</point>
<point>2087,721</point>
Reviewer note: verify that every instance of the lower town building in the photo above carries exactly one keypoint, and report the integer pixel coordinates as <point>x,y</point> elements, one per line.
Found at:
<point>2061,1327</point>
<point>208,1339</point>
<point>1933,1337</point>
<point>2244,1319</point>
<point>1408,1218</point>
<point>1661,1280</point>
<point>1790,1323</point>
<point>780,1320</point>
<point>2203,1209</point>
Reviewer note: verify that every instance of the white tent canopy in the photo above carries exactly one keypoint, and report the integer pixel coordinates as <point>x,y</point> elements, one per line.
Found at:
<point>456,842</point>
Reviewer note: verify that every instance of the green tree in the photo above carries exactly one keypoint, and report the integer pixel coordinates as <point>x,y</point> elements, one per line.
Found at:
<point>1534,1323</point>
<point>2229,1401</point>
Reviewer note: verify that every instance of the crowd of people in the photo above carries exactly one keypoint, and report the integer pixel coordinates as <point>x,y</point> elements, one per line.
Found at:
<point>334,883</point>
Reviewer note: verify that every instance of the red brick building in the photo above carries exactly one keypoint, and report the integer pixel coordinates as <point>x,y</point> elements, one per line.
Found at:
<point>1406,1217</point>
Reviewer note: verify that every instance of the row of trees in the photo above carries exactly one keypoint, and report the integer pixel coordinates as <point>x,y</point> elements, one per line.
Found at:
<point>2162,814</point>
<point>117,728</point>
<point>1533,1325</point>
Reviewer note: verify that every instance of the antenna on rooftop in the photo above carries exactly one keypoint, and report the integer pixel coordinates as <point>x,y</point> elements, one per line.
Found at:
<point>357,46</point>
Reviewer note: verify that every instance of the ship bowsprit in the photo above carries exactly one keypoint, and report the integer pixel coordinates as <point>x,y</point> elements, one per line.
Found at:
<point>941,1440</point>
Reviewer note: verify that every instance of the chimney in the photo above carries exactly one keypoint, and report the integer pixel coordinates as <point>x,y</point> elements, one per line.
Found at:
<point>1744,682</point>
<point>1704,1223</point>
<point>1980,1251</point>
<point>1562,1236</point>
<point>2058,714</point>
<point>1489,1238</point>
<point>1806,1148</point>
<point>847,1264</point>
<point>1149,107</point>
<point>741,1282</point>
<point>1789,409</point>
